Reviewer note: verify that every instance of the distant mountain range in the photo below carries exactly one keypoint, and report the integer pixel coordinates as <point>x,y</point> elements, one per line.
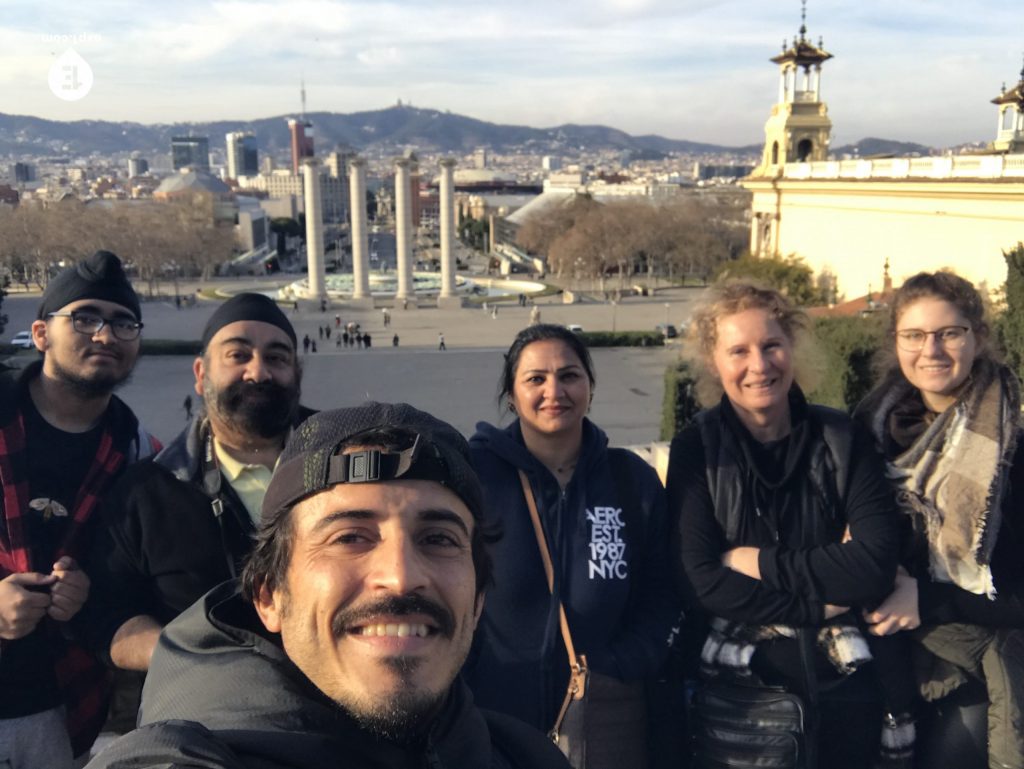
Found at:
<point>385,130</point>
<point>872,147</point>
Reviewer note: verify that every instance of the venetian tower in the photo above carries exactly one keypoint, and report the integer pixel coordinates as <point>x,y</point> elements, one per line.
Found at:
<point>799,128</point>
<point>1010,133</point>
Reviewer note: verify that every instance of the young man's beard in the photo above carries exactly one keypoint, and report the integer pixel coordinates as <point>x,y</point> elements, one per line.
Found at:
<point>266,409</point>
<point>97,386</point>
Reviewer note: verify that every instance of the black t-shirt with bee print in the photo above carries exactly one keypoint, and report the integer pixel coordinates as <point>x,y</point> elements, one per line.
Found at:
<point>57,464</point>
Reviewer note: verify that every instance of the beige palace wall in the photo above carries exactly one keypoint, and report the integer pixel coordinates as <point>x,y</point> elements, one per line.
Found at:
<point>851,226</point>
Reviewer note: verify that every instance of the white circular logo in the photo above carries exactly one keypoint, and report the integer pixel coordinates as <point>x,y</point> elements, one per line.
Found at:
<point>70,76</point>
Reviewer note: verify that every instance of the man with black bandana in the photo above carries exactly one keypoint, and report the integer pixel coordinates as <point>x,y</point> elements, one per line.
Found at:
<point>342,642</point>
<point>64,439</point>
<point>177,526</point>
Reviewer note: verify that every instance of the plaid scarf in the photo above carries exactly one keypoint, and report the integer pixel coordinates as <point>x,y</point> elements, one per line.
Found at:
<point>955,474</point>
<point>731,645</point>
<point>82,679</point>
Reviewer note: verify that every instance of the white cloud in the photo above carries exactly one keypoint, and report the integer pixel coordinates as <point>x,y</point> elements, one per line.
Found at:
<point>912,69</point>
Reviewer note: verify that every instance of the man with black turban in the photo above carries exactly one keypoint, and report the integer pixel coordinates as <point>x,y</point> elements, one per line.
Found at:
<point>183,523</point>
<point>64,439</point>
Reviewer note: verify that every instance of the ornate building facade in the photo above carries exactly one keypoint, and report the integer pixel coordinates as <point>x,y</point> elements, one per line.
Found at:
<point>847,217</point>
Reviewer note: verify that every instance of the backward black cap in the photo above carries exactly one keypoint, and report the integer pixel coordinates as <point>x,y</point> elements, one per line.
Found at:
<point>247,306</point>
<point>99,276</point>
<point>305,464</point>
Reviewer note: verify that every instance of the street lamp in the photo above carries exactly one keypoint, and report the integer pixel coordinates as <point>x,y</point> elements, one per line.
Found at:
<point>667,305</point>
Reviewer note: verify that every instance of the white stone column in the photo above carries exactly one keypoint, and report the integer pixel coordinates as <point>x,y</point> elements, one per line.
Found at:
<point>361,295</point>
<point>403,230</point>
<point>314,229</point>
<point>447,298</point>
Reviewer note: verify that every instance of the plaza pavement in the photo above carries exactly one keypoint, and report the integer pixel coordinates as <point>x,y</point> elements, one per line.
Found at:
<point>458,385</point>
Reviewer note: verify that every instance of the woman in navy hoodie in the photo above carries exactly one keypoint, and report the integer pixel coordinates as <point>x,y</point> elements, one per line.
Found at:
<point>604,520</point>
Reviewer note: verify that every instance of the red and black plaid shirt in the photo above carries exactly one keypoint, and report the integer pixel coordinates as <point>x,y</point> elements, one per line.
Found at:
<point>82,679</point>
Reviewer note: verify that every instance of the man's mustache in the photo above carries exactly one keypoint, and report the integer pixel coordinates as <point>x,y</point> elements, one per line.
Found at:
<point>395,606</point>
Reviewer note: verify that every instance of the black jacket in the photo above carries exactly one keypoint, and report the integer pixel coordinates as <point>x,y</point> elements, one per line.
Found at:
<point>803,565</point>
<point>221,693</point>
<point>160,544</point>
<point>613,579</point>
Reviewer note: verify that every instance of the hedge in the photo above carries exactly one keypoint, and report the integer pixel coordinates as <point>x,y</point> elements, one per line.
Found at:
<point>149,347</point>
<point>679,406</point>
<point>623,338</point>
<point>848,347</point>
<point>171,347</point>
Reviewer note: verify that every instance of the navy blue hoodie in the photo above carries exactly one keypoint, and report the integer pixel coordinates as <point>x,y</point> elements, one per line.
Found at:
<point>610,554</point>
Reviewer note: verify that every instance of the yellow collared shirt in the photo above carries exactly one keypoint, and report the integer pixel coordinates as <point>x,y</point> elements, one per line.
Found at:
<point>249,481</point>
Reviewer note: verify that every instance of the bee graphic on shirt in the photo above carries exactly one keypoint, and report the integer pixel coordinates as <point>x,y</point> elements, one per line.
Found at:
<point>50,508</point>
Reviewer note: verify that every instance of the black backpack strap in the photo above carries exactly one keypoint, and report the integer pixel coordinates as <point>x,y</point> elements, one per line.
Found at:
<point>726,493</point>
<point>837,431</point>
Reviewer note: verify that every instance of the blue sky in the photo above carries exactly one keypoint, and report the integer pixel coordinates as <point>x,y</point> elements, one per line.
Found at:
<point>916,70</point>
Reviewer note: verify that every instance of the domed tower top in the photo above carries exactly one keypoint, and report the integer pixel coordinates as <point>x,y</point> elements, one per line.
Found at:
<point>805,55</point>
<point>802,52</point>
<point>1010,132</point>
<point>799,127</point>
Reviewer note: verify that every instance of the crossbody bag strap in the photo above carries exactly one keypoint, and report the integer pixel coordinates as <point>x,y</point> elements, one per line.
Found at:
<point>577,665</point>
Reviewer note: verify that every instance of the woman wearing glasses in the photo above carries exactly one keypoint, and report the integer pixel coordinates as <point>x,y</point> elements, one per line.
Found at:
<point>946,417</point>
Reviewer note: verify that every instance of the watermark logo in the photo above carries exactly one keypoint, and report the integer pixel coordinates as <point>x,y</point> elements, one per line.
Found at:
<point>70,76</point>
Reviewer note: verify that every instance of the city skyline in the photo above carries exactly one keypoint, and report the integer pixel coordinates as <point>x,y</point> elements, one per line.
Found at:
<point>912,70</point>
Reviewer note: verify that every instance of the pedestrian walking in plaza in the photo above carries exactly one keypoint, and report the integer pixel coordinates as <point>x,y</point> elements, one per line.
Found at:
<point>344,338</point>
<point>534,315</point>
<point>440,341</point>
<point>366,340</point>
<point>320,332</point>
<point>337,321</point>
<point>312,346</point>
<point>305,343</point>
<point>394,341</point>
<point>188,407</point>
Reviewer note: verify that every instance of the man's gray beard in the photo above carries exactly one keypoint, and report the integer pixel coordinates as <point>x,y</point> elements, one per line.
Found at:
<point>404,716</point>
<point>97,386</point>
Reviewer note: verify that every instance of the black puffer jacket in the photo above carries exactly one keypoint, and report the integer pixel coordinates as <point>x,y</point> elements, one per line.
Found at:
<point>222,694</point>
<point>160,545</point>
<point>803,564</point>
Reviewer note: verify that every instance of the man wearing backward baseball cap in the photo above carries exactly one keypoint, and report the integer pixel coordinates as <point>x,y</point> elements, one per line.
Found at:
<point>177,526</point>
<point>341,644</point>
<point>64,439</point>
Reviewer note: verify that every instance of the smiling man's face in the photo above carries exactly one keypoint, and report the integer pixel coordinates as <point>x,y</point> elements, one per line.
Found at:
<point>379,603</point>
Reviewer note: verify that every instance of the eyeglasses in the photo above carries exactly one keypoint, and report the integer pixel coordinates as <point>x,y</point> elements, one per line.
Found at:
<point>90,324</point>
<point>950,337</point>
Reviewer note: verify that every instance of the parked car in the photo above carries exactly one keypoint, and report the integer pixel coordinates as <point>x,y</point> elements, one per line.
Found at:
<point>23,339</point>
<point>667,330</point>
<point>575,328</point>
